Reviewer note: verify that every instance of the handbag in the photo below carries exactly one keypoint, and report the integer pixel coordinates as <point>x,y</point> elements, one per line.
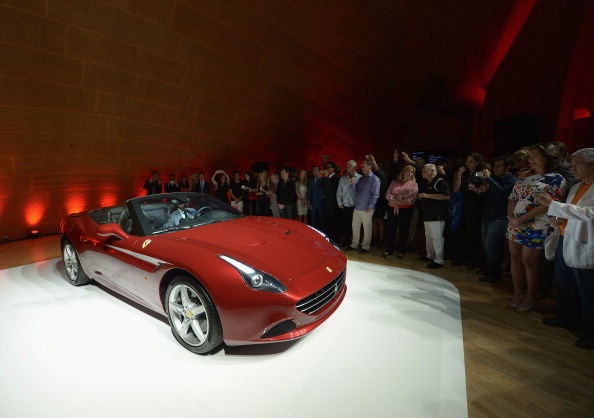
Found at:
<point>550,245</point>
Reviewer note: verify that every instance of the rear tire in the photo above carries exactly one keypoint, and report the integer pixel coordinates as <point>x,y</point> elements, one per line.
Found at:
<point>74,271</point>
<point>192,315</point>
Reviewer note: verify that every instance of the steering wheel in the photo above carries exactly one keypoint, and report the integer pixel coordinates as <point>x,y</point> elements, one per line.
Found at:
<point>203,210</point>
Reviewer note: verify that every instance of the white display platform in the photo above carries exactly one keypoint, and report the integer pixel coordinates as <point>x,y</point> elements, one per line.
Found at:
<point>392,349</point>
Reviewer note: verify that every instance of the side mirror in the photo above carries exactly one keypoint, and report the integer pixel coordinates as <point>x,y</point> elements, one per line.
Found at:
<point>111,230</point>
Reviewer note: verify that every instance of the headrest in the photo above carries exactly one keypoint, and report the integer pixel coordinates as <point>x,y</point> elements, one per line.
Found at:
<point>180,201</point>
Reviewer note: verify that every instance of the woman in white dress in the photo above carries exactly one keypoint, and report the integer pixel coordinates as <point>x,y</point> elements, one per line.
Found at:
<point>301,192</point>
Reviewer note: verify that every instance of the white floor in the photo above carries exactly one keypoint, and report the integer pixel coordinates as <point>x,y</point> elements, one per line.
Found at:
<point>392,349</point>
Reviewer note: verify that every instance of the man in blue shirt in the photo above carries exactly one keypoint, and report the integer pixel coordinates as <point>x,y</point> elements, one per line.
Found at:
<point>366,195</point>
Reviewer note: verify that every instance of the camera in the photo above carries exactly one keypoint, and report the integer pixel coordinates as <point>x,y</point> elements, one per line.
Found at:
<point>479,174</point>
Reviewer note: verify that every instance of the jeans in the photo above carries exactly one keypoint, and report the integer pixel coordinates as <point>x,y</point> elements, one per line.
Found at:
<point>493,239</point>
<point>315,216</point>
<point>288,212</point>
<point>575,294</point>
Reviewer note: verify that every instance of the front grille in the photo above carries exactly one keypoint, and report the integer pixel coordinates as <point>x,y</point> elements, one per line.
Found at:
<point>316,301</point>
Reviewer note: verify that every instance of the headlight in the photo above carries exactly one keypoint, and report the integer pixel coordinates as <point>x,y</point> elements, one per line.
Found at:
<point>255,279</point>
<point>326,237</point>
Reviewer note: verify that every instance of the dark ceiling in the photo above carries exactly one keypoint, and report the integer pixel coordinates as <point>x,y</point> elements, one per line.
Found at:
<point>96,94</point>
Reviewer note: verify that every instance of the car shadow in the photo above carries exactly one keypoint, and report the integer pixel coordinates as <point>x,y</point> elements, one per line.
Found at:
<point>243,350</point>
<point>131,303</point>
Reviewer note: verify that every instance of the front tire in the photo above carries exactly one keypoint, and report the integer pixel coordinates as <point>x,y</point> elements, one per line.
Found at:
<point>74,271</point>
<point>193,318</point>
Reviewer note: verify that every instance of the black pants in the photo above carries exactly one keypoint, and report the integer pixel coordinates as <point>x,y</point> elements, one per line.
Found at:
<point>263,206</point>
<point>402,221</point>
<point>347,224</point>
<point>331,221</point>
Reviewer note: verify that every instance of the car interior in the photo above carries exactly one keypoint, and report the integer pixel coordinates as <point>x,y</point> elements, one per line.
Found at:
<point>156,213</point>
<point>110,215</point>
<point>125,221</point>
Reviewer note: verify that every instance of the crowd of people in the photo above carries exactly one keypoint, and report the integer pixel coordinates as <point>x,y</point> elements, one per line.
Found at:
<point>475,213</point>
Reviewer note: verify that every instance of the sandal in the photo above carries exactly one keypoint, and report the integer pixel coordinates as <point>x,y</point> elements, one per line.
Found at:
<point>513,305</point>
<point>523,309</point>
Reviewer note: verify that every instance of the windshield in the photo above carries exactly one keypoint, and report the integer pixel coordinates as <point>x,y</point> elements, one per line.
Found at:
<point>175,211</point>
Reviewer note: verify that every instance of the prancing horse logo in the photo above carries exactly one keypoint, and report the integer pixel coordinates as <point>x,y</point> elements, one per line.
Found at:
<point>145,243</point>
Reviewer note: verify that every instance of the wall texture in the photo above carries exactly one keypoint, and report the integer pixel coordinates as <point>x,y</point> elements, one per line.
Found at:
<point>95,94</point>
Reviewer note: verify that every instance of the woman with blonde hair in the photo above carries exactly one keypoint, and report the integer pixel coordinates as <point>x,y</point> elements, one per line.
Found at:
<point>301,192</point>
<point>271,193</point>
<point>401,196</point>
<point>193,182</point>
<point>263,191</point>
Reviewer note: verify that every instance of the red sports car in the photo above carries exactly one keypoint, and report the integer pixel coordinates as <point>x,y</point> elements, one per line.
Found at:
<point>218,276</point>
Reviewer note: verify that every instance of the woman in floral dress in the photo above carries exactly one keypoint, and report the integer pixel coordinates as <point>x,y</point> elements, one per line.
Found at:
<point>528,222</point>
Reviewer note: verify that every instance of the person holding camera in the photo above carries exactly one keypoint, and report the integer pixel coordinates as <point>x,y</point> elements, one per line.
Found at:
<point>221,181</point>
<point>467,180</point>
<point>495,192</point>
<point>153,185</point>
<point>171,185</point>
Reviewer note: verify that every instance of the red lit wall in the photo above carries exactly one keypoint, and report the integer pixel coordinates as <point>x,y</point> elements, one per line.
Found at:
<point>95,95</point>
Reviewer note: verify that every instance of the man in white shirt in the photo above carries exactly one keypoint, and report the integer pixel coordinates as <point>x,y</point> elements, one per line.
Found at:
<point>182,212</point>
<point>345,195</point>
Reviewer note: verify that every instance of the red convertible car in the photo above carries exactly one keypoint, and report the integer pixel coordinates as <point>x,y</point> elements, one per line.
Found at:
<point>217,275</point>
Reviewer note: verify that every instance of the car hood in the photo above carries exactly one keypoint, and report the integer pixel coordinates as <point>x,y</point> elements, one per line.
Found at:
<point>284,249</point>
